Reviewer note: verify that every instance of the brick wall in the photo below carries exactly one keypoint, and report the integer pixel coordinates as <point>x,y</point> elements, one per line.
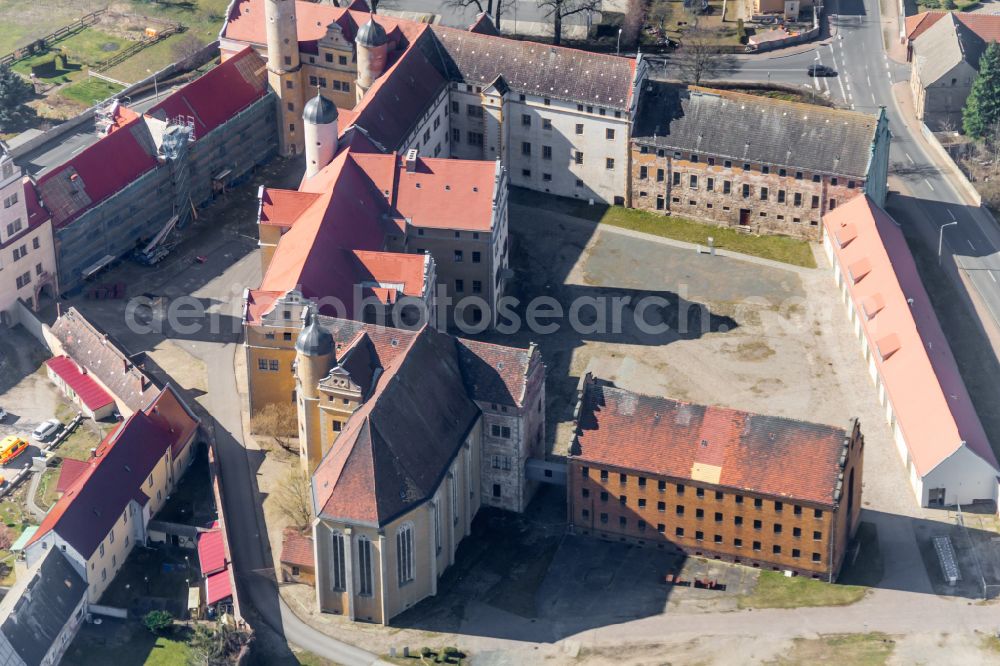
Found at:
<point>762,199</point>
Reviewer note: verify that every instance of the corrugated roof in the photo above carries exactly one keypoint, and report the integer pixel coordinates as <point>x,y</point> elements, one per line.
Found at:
<point>211,552</point>
<point>218,587</point>
<point>932,406</point>
<point>762,454</point>
<point>90,392</point>
<point>750,128</point>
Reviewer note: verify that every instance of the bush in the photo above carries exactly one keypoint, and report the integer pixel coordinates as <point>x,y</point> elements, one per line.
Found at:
<point>425,652</point>
<point>450,651</point>
<point>158,621</point>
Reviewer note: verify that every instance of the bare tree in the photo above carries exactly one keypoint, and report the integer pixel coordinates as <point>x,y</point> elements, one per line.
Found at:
<point>478,4</point>
<point>557,10</point>
<point>278,421</point>
<point>185,47</point>
<point>635,17</point>
<point>292,499</point>
<point>698,57</point>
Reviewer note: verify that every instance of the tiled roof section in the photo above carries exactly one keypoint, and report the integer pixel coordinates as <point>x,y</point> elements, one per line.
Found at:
<point>402,274</point>
<point>944,45</point>
<point>917,24</point>
<point>398,100</point>
<point>93,350</point>
<point>757,129</point>
<point>281,208</point>
<point>760,454</point>
<point>986,26</point>
<point>494,373</point>
<point>90,392</point>
<point>297,548</point>
<point>169,413</point>
<point>259,303</point>
<point>35,613</point>
<point>932,406</point>
<point>69,472</point>
<point>396,448</point>
<point>92,505</point>
<point>219,94</point>
<point>211,552</point>
<point>218,586</point>
<point>98,172</point>
<point>537,69</point>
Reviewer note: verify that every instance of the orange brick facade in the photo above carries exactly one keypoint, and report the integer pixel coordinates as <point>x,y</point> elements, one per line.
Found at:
<point>759,198</point>
<point>716,521</point>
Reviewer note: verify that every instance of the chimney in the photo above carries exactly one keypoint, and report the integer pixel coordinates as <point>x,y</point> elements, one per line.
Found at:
<point>411,160</point>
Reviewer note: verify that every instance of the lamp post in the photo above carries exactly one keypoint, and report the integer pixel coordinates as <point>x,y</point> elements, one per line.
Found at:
<point>156,88</point>
<point>618,48</point>
<point>941,237</point>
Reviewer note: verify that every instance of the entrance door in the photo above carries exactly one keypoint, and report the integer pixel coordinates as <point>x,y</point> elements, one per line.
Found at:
<point>744,217</point>
<point>935,497</point>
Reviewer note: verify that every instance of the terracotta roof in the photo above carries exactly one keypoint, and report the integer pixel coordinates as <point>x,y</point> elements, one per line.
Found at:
<point>90,392</point>
<point>297,548</point>
<point>932,406</point>
<point>395,449</point>
<point>96,352</point>
<point>211,552</point>
<point>281,208</point>
<point>759,129</point>
<point>985,26</point>
<point>537,69</point>
<point>92,505</point>
<point>761,454</point>
<point>390,275</point>
<point>97,172</point>
<point>495,373</point>
<point>218,586</point>
<point>215,97</point>
<point>918,23</point>
<point>69,472</point>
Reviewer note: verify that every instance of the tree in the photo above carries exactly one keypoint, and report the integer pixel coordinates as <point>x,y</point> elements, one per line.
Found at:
<point>293,499</point>
<point>185,47</point>
<point>557,10</point>
<point>6,537</point>
<point>14,93</point>
<point>698,57</point>
<point>212,646</point>
<point>635,17</point>
<point>982,107</point>
<point>277,421</point>
<point>158,621</point>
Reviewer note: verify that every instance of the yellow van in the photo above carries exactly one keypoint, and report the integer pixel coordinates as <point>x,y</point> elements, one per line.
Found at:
<point>10,448</point>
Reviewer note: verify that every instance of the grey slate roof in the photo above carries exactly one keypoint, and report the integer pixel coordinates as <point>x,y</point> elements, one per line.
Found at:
<point>536,69</point>
<point>43,608</point>
<point>943,46</point>
<point>748,128</point>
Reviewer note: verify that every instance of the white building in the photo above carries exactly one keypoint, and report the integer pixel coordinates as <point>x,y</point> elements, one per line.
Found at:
<point>27,256</point>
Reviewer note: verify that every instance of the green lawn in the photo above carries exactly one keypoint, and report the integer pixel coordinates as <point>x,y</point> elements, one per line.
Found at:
<point>778,248</point>
<point>132,647</point>
<point>91,46</point>
<point>89,91</point>
<point>45,497</point>
<point>86,437</point>
<point>872,649</point>
<point>775,590</point>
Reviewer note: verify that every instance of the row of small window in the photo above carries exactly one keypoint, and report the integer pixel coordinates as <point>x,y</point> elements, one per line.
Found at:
<point>700,536</point>
<point>341,86</point>
<point>472,138</point>
<point>700,513</point>
<point>545,100</point>
<point>764,193</point>
<point>680,489</point>
<point>268,365</point>
<point>502,463</point>
<point>24,279</point>
<point>459,255</point>
<point>609,162</point>
<point>22,250</point>
<point>477,286</point>
<point>748,166</point>
<point>691,202</point>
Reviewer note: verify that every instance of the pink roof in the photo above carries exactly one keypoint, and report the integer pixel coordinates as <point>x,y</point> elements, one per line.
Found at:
<point>211,552</point>
<point>218,587</point>
<point>220,94</point>
<point>89,391</point>
<point>931,403</point>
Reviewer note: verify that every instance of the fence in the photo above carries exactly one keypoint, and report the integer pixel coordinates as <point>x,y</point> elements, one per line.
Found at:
<point>144,43</point>
<point>60,34</point>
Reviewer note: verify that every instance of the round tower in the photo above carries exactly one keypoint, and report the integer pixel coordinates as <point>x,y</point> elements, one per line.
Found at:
<point>319,125</point>
<point>313,355</point>
<point>284,71</point>
<point>373,50</point>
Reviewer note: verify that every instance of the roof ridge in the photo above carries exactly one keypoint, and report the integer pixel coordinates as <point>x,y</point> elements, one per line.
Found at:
<point>767,101</point>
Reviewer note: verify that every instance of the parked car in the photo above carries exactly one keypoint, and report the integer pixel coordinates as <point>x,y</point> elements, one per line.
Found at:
<point>821,70</point>
<point>47,429</point>
<point>10,448</point>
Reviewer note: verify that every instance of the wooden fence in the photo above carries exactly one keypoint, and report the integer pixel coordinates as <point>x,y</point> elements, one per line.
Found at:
<point>40,45</point>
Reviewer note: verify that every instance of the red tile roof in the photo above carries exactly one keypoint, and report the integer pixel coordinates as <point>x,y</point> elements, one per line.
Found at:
<point>97,172</point>
<point>984,26</point>
<point>211,552</point>
<point>93,503</point>
<point>660,436</point>
<point>297,548</point>
<point>69,472</point>
<point>218,587</point>
<point>281,208</point>
<point>89,391</point>
<point>218,95</point>
<point>496,373</point>
<point>932,406</point>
